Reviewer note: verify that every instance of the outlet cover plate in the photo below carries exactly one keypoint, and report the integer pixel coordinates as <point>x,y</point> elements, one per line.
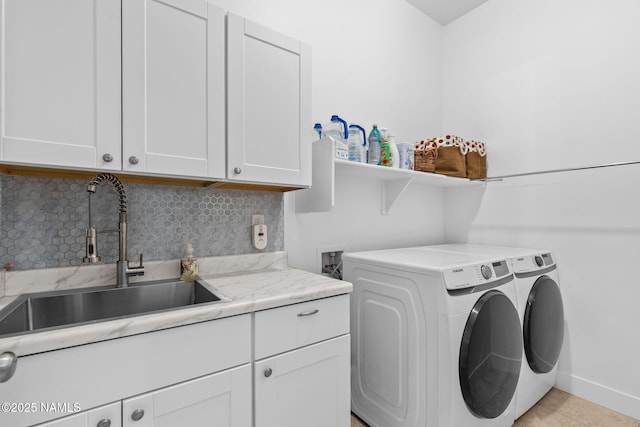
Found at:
<point>257,219</point>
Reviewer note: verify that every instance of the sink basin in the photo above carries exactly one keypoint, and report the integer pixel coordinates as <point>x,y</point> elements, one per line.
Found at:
<point>32,312</point>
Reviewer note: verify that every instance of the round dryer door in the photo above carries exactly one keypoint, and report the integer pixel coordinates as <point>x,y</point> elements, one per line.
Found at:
<point>490,355</point>
<point>543,325</point>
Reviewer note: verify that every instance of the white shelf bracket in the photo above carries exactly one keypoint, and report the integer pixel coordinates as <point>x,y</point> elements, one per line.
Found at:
<point>391,192</point>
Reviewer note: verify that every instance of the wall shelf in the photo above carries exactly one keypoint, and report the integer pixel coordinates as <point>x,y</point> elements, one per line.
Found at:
<point>394,182</point>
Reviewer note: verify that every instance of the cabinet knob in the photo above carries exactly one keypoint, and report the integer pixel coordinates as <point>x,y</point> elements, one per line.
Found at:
<point>137,414</point>
<point>268,372</point>
<point>237,171</point>
<point>133,160</point>
<point>107,158</point>
<point>104,423</point>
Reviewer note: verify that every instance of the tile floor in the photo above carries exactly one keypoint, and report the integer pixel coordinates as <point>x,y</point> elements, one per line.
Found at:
<point>562,409</point>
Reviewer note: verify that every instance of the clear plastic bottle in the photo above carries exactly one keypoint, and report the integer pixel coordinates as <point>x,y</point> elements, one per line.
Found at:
<point>385,149</point>
<point>338,130</point>
<point>393,149</point>
<point>374,146</point>
<point>357,143</point>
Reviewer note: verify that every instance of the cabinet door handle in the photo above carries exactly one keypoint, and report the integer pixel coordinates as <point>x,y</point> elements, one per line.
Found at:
<point>104,423</point>
<point>268,372</point>
<point>137,414</point>
<point>107,157</point>
<point>237,171</point>
<point>308,313</point>
<point>8,364</point>
<point>133,160</point>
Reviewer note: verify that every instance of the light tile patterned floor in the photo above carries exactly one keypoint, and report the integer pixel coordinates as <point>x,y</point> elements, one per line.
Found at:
<point>562,409</point>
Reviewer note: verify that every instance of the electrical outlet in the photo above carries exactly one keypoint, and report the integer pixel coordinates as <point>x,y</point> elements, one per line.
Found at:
<point>257,219</point>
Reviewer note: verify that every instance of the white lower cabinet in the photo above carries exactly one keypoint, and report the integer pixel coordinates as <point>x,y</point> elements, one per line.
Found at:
<point>309,387</point>
<point>104,416</point>
<point>171,365</point>
<point>305,378</point>
<point>221,399</point>
<point>199,375</point>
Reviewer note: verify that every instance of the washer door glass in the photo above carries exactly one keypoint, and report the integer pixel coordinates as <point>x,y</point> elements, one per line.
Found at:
<point>543,325</point>
<point>490,355</point>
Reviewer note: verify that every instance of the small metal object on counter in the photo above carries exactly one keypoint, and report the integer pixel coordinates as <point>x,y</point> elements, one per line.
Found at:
<point>8,364</point>
<point>124,270</point>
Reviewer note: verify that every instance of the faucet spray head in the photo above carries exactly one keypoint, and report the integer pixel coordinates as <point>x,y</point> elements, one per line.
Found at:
<point>91,256</point>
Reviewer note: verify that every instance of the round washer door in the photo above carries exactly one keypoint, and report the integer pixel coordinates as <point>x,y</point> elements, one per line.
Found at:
<point>543,325</point>
<point>490,355</point>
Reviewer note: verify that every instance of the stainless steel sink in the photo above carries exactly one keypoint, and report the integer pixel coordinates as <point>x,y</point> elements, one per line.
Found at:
<point>32,312</point>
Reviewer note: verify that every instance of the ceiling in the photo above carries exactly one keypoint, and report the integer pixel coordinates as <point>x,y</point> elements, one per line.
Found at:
<point>445,11</point>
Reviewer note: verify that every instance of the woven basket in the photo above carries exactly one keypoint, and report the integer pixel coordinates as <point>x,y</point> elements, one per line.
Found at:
<point>425,160</point>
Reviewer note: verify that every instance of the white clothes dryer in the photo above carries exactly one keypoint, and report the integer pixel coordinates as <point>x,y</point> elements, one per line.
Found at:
<point>541,312</point>
<point>435,338</point>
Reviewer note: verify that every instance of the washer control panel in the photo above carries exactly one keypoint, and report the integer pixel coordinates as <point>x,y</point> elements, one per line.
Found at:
<point>525,264</point>
<point>474,275</point>
<point>486,271</point>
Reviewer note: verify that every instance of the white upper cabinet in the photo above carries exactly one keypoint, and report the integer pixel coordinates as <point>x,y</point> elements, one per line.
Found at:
<point>153,86</point>
<point>269,105</point>
<point>60,82</point>
<point>173,87</point>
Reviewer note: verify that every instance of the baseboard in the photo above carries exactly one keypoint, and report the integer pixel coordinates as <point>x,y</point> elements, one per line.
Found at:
<point>613,399</point>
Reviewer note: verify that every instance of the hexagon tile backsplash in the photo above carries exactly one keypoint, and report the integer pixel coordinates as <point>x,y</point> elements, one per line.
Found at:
<point>43,221</point>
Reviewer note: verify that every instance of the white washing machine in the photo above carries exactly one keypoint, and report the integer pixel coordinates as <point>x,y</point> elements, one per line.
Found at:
<point>435,338</point>
<point>541,313</point>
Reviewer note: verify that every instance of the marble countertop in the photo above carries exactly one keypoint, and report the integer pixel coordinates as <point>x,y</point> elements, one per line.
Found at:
<point>254,283</point>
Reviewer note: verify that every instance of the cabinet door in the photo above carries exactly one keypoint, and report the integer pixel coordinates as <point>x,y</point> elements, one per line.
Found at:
<point>222,399</point>
<point>309,387</point>
<point>108,415</point>
<point>173,87</point>
<point>60,82</point>
<point>269,105</point>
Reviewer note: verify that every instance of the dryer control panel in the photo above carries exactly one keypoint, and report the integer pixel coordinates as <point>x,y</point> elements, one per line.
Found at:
<point>473,275</point>
<point>528,263</point>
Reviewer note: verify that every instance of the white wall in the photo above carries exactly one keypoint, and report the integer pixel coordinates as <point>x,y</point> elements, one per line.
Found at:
<point>356,222</point>
<point>551,84</point>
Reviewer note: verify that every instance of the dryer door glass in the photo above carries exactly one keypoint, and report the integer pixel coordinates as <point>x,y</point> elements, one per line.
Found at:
<point>543,325</point>
<point>490,355</point>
